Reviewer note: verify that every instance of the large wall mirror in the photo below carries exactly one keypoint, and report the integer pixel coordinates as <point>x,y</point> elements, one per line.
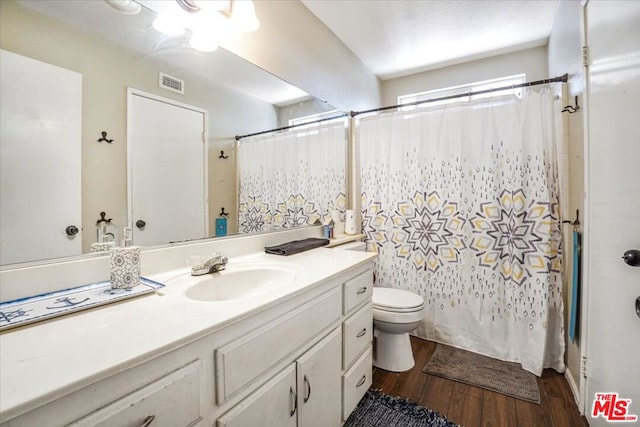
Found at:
<point>114,56</point>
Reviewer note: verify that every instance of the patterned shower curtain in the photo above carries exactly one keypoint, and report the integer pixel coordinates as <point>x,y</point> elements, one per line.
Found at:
<point>291,178</point>
<point>462,204</point>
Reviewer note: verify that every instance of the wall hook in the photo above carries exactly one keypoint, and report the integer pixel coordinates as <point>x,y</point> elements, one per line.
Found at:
<point>223,213</point>
<point>103,219</point>
<point>575,222</point>
<point>570,108</point>
<point>222,156</point>
<point>104,138</point>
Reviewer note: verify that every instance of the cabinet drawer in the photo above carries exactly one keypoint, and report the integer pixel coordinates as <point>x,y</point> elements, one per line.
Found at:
<point>171,401</point>
<point>355,383</point>
<point>357,290</point>
<point>239,362</point>
<point>273,404</point>
<point>357,333</point>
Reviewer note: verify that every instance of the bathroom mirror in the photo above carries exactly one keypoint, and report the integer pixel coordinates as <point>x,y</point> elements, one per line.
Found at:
<point>114,51</point>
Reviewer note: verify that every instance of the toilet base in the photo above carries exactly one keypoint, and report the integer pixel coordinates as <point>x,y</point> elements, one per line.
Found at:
<point>393,352</point>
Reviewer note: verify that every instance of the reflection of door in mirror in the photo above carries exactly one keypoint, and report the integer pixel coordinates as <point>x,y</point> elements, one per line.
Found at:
<point>40,128</point>
<point>167,171</point>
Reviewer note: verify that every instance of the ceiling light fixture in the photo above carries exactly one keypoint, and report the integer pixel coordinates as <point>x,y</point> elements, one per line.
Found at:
<point>208,21</point>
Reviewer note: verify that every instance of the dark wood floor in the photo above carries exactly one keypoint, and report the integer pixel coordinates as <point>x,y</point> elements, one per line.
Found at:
<point>472,406</point>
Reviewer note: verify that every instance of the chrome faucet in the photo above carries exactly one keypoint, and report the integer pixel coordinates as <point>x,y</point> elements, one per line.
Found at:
<point>217,263</point>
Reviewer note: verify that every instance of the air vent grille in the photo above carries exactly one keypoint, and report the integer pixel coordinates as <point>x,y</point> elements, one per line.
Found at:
<point>171,83</point>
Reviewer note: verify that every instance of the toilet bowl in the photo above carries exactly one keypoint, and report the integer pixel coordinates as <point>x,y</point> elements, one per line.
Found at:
<point>396,312</point>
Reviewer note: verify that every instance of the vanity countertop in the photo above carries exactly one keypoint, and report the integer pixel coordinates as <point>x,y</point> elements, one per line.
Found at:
<point>45,361</point>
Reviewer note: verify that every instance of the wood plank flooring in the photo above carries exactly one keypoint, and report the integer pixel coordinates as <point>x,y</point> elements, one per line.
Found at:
<point>474,407</point>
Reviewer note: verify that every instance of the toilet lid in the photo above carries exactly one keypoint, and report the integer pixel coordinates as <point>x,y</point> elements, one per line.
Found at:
<point>396,299</point>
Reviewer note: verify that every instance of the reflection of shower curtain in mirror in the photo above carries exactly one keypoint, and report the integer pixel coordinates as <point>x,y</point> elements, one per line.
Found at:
<point>462,203</point>
<point>291,178</point>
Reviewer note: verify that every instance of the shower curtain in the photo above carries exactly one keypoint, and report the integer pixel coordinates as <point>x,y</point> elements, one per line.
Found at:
<point>291,178</point>
<point>462,204</point>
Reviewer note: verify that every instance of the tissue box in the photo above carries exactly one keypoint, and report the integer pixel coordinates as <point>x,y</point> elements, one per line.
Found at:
<point>125,268</point>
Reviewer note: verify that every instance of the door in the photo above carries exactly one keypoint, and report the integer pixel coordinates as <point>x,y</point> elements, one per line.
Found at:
<point>167,170</point>
<point>319,383</point>
<point>40,176</point>
<point>613,202</point>
<point>273,404</point>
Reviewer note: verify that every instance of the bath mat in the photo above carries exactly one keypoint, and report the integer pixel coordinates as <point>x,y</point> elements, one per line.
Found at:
<point>485,372</point>
<point>377,409</point>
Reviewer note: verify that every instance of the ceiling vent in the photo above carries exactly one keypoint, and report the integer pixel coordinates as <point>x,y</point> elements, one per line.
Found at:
<point>171,83</point>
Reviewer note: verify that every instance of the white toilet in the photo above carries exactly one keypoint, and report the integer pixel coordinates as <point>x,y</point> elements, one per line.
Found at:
<point>396,312</point>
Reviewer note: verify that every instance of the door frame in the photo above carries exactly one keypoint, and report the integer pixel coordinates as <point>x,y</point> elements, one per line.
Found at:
<point>586,227</point>
<point>131,92</point>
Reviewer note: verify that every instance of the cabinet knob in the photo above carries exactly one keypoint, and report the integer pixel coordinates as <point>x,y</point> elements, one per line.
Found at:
<point>307,386</point>
<point>71,230</point>
<point>362,290</point>
<point>294,399</point>
<point>632,257</point>
<point>147,421</point>
<point>140,224</point>
<point>362,380</point>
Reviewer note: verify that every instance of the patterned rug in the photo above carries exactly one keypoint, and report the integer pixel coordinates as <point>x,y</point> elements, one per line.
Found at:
<point>485,372</point>
<point>377,409</point>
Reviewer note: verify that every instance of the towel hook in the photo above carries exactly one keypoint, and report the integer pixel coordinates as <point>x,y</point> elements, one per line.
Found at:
<point>575,222</point>
<point>570,108</point>
<point>103,218</point>
<point>104,138</point>
<point>222,156</point>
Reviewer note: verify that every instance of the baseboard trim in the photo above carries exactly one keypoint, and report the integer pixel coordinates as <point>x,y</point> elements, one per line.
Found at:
<point>574,389</point>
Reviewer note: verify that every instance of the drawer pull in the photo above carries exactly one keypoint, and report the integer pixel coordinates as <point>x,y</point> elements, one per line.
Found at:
<point>307,386</point>
<point>294,399</point>
<point>147,421</point>
<point>361,333</point>
<point>362,380</point>
<point>362,290</point>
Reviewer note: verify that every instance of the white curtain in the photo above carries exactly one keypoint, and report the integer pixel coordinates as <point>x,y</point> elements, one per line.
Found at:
<point>462,203</point>
<point>291,178</point>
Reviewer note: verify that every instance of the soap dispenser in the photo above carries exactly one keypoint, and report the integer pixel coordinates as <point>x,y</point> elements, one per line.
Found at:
<point>125,264</point>
<point>221,223</point>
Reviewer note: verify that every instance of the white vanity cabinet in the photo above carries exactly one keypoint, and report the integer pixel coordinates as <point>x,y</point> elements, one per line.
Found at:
<point>303,360</point>
<point>305,393</point>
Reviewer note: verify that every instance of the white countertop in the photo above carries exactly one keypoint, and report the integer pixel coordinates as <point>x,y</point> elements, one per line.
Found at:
<point>45,361</point>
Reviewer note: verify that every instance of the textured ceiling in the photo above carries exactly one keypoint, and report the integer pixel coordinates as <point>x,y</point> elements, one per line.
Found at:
<point>400,37</point>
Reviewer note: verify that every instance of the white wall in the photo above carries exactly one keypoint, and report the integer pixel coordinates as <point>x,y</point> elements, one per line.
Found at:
<point>297,47</point>
<point>107,70</point>
<point>532,61</point>
<point>565,56</point>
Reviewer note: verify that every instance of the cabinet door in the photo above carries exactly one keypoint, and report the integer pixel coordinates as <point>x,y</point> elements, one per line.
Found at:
<point>319,385</point>
<point>272,405</point>
<point>170,401</point>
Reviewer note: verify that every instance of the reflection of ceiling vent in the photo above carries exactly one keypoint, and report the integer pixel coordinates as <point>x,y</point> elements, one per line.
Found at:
<point>171,83</point>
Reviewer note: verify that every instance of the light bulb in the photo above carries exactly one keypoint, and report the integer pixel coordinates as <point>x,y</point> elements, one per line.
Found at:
<point>203,42</point>
<point>243,16</point>
<point>169,25</point>
<point>213,5</point>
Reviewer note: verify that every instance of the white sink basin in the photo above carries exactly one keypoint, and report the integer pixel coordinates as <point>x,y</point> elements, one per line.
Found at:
<point>237,282</point>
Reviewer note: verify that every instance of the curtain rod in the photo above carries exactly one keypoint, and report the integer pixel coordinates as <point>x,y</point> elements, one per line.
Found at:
<point>239,137</point>
<point>562,79</point>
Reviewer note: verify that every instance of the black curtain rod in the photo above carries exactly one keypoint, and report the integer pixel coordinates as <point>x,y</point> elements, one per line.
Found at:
<point>239,137</point>
<point>562,79</point>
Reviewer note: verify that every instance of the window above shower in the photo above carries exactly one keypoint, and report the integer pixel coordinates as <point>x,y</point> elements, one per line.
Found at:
<point>480,86</point>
